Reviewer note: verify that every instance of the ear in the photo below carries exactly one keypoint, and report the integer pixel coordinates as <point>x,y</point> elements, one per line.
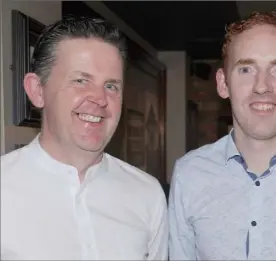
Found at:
<point>34,89</point>
<point>222,87</point>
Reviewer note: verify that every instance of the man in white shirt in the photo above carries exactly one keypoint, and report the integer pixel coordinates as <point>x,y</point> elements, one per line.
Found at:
<point>222,204</point>
<point>62,197</point>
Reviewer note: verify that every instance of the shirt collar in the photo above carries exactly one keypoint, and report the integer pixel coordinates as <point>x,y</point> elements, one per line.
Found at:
<point>44,159</point>
<point>273,161</point>
<point>231,149</point>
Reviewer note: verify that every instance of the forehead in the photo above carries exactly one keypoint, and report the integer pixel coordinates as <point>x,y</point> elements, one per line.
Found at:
<point>90,55</point>
<point>258,43</point>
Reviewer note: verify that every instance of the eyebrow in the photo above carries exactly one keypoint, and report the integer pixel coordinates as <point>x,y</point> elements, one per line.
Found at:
<point>84,74</point>
<point>91,77</point>
<point>115,81</point>
<point>250,62</point>
<point>245,62</point>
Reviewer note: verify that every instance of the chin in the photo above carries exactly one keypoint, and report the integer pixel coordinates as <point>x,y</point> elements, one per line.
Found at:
<point>95,142</point>
<point>91,145</point>
<point>91,148</point>
<point>257,129</point>
<point>262,134</point>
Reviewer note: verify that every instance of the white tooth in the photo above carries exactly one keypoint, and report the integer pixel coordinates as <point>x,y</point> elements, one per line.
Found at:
<point>90,118</point>
<point>263,107</point>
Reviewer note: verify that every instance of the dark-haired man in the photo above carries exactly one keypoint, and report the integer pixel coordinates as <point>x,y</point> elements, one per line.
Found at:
<point>62,197</point>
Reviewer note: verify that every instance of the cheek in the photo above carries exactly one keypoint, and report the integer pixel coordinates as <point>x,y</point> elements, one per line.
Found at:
<point>70,99</point>
<point>115,104</point>
<point>239,96</point>
<point>61,106</point>
<point>116,109</point>
<point>241,88</point>
<point>272,81</point>
<point>51,101</point>
<point>246,80</point>
<point>75,100</point>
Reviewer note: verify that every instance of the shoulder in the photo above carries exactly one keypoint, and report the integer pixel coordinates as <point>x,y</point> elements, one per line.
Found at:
<point>202,159</point>
<point>133,174</point>
<point>139,192</point>
<point>10,160</point>
<point>137,180</point>
<point>14,163</point>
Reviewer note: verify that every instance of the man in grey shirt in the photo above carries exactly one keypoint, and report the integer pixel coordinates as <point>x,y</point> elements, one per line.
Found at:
<point>222,203</point>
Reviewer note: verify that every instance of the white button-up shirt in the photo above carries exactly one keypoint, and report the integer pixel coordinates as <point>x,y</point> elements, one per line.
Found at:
<point>117,213</point>
<point>218,209</point>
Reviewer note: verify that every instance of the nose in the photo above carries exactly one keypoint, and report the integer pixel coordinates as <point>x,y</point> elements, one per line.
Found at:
<point>97,96</point>
<point>263,83</point>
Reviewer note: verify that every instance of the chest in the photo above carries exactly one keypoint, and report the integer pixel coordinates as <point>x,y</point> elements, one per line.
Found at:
<point>86,225</point>
<point>235,218</point>
<point>120,224</point>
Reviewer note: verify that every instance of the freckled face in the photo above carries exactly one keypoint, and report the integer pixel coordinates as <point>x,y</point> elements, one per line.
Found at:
<point>250,81</point>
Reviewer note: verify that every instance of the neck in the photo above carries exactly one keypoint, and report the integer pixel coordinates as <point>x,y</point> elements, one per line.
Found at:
<point>77,158</point>
<point>256,153</point>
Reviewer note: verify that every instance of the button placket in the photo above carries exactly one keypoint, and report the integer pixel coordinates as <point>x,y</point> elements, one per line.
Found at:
<point>85,225</point>
<point>256,203</point>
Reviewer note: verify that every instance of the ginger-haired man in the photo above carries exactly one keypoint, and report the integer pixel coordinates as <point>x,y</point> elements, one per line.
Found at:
<point>222,202</point>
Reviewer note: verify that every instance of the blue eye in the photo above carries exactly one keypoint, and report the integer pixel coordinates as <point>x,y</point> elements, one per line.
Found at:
<point>244,70</point>
<point>111,86</point>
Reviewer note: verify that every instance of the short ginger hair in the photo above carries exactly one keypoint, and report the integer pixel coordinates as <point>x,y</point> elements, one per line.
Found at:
<point>236,28</point>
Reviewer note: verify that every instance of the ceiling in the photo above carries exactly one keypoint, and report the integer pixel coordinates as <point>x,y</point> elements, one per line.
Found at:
<point>197,27</point>
<point>247,7</point>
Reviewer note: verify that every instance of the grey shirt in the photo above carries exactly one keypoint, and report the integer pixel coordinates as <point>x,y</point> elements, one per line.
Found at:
<point>218,209</point>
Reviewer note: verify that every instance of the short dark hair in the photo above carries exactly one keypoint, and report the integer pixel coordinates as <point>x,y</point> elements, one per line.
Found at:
<point>72,27</point>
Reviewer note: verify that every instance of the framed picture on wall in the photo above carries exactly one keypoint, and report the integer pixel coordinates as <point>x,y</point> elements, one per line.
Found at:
<point>25,32</point>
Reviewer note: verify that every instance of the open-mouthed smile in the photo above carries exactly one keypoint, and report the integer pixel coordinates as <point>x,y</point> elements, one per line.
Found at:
<point>263,106</point>
<point>89,118</point>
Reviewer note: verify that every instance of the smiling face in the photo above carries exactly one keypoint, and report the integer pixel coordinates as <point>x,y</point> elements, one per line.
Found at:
<point>249,80</point>
<point>83,95</point>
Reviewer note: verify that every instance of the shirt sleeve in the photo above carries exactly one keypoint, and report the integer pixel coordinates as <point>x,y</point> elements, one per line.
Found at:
<point>182,238</point>
<point>158,245</point>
